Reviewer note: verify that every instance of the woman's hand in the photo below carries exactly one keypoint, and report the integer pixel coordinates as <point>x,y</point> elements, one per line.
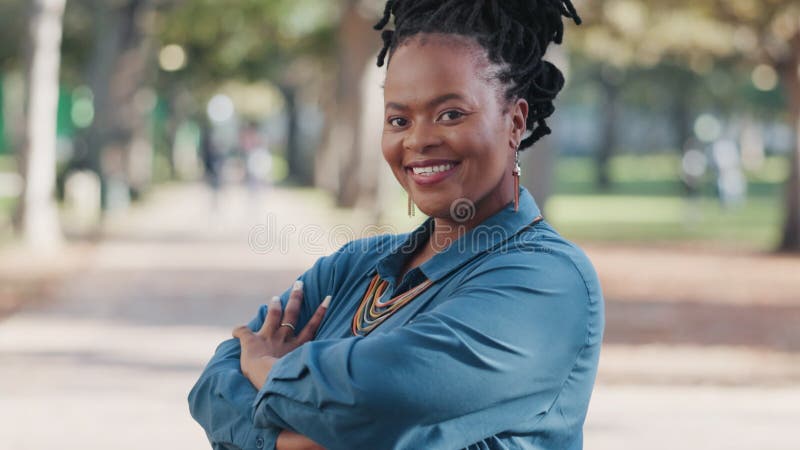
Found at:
<point>277,336</point>
<point>289,440</point>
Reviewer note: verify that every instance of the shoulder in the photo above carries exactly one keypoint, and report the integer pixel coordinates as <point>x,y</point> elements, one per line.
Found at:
<point>558,248</point>
<point>540,259</point>
<point>537,273</point>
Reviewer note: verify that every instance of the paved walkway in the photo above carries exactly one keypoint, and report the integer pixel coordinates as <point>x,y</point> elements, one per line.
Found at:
<point>105,360</point>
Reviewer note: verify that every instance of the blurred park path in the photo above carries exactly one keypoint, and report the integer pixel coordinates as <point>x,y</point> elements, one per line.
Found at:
<point>702,349</point>
<point>107,360</point>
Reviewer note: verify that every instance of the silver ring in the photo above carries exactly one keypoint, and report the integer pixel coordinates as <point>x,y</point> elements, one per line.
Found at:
<point>287,324</point>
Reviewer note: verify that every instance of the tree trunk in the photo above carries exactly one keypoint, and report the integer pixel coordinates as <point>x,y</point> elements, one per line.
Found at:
<point>608,140</point>
<point>117,140</point>
<point>299,170</point>
<point>341,155</point>
<point>2,117</point>
<point>791,229</point>
<point>681,86</point>
<point>38,211</point>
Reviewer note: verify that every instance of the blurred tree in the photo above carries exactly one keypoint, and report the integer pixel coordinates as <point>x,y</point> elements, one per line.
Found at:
<point>768,31</point>
<point>12,64</point>
<point>37,212</point>
<point>3,144</point>
<point>118,71</point>
<point>702,34</point>
<point>287,42</point>
<point>611,81</point>
<point>302,46</point>
<point>348,138</point>
<point>11,28</point>
<point>636,40</point>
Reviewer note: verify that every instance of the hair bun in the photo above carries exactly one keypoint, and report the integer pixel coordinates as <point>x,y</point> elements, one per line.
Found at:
<point>548,82</point>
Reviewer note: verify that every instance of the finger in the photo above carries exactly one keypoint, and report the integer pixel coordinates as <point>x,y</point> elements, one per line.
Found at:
<point>273,319</point>
<point>293,305</point>
<point>310,330</point>
<point>242,332</point>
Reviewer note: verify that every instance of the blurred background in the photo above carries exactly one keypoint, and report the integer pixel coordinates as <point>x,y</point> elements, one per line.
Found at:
<point>167,165</point>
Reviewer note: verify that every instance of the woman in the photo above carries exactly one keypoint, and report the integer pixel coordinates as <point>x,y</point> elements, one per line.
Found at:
<point>481,328</point>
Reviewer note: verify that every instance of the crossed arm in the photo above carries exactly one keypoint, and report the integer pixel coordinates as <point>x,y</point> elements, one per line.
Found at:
<point>222,399</point>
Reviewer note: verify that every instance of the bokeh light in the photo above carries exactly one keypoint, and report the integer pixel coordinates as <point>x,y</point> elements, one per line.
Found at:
<point>172,58</point>
<point>707,128</point>
<point>220,108</point>
<point>764,77</point>
<point>82,112</point>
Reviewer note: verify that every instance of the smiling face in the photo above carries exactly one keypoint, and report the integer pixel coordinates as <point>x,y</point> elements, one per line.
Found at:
<point>447,133</point>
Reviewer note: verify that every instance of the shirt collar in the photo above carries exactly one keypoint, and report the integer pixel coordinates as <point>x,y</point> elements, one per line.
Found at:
<point>495,230</point>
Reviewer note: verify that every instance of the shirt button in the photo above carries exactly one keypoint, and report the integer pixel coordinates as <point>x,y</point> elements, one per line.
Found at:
<point>260,442</point>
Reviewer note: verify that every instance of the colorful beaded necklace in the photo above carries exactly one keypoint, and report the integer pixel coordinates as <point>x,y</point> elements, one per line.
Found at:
<point>372,311</point>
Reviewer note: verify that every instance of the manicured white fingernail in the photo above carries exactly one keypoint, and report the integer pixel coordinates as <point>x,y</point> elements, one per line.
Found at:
<point>326,302</point>
<point>298,285</point>
<point>276,300</point>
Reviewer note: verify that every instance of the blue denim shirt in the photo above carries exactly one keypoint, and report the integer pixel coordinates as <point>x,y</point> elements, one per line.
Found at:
<point>500,352</point>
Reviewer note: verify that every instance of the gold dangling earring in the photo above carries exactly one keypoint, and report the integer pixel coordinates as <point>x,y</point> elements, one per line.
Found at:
<point>410,206</point>
<point>516,174</point>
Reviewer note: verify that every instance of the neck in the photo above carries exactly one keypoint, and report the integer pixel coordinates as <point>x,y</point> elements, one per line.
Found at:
<point>447,229</point>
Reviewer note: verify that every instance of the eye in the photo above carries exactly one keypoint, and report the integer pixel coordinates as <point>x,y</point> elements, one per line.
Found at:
<point>451,115</point>
<point>397,122</point>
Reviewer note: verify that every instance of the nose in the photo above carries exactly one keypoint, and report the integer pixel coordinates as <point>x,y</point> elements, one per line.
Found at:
<point>420,137</point>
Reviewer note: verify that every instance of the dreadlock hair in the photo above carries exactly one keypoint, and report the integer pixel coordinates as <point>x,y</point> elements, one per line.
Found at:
<point>515,34</point>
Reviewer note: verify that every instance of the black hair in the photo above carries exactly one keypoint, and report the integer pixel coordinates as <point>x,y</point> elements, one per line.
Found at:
<point>515,34</point>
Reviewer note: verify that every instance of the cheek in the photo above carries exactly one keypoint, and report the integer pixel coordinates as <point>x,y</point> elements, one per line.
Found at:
<point>489,152</point>
<point>392,149</point>
<point>484,144</point>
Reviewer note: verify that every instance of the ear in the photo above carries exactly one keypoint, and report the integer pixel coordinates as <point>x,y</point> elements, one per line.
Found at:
<point>519,117</point>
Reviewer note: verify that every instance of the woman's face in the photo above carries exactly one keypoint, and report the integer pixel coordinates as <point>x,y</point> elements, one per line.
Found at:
<point>447,134</point>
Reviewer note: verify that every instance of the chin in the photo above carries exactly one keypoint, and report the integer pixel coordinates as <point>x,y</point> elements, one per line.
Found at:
<point>435,207</point>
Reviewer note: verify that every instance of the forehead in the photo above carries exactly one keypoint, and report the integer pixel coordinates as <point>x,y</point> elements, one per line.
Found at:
<point>425,66</point>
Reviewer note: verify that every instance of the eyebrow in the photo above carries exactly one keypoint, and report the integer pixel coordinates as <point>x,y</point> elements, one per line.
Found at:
<point>435,102</point>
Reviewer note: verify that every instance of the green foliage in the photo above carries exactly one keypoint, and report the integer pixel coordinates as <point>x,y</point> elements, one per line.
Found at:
<point>78,40</point>
<point>704,51</point>
<point>247,39</point>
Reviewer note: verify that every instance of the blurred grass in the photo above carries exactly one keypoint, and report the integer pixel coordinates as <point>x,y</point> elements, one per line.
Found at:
<point>6,206</point>
<point>646,203</point>
<point>6,213</point>
<point>8,163</point>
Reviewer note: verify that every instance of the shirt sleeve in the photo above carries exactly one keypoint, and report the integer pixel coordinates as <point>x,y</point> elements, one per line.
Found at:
<point>221,401</point>
<point>495,353</point>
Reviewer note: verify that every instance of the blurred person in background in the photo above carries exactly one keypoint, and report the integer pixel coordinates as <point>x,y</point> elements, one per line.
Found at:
<point>481,328</point>
<point>256,156</point>
<point>731,181</point>
<point>213,161</point>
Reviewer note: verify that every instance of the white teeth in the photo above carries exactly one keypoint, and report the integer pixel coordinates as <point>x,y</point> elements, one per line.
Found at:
<point>431,169</point>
